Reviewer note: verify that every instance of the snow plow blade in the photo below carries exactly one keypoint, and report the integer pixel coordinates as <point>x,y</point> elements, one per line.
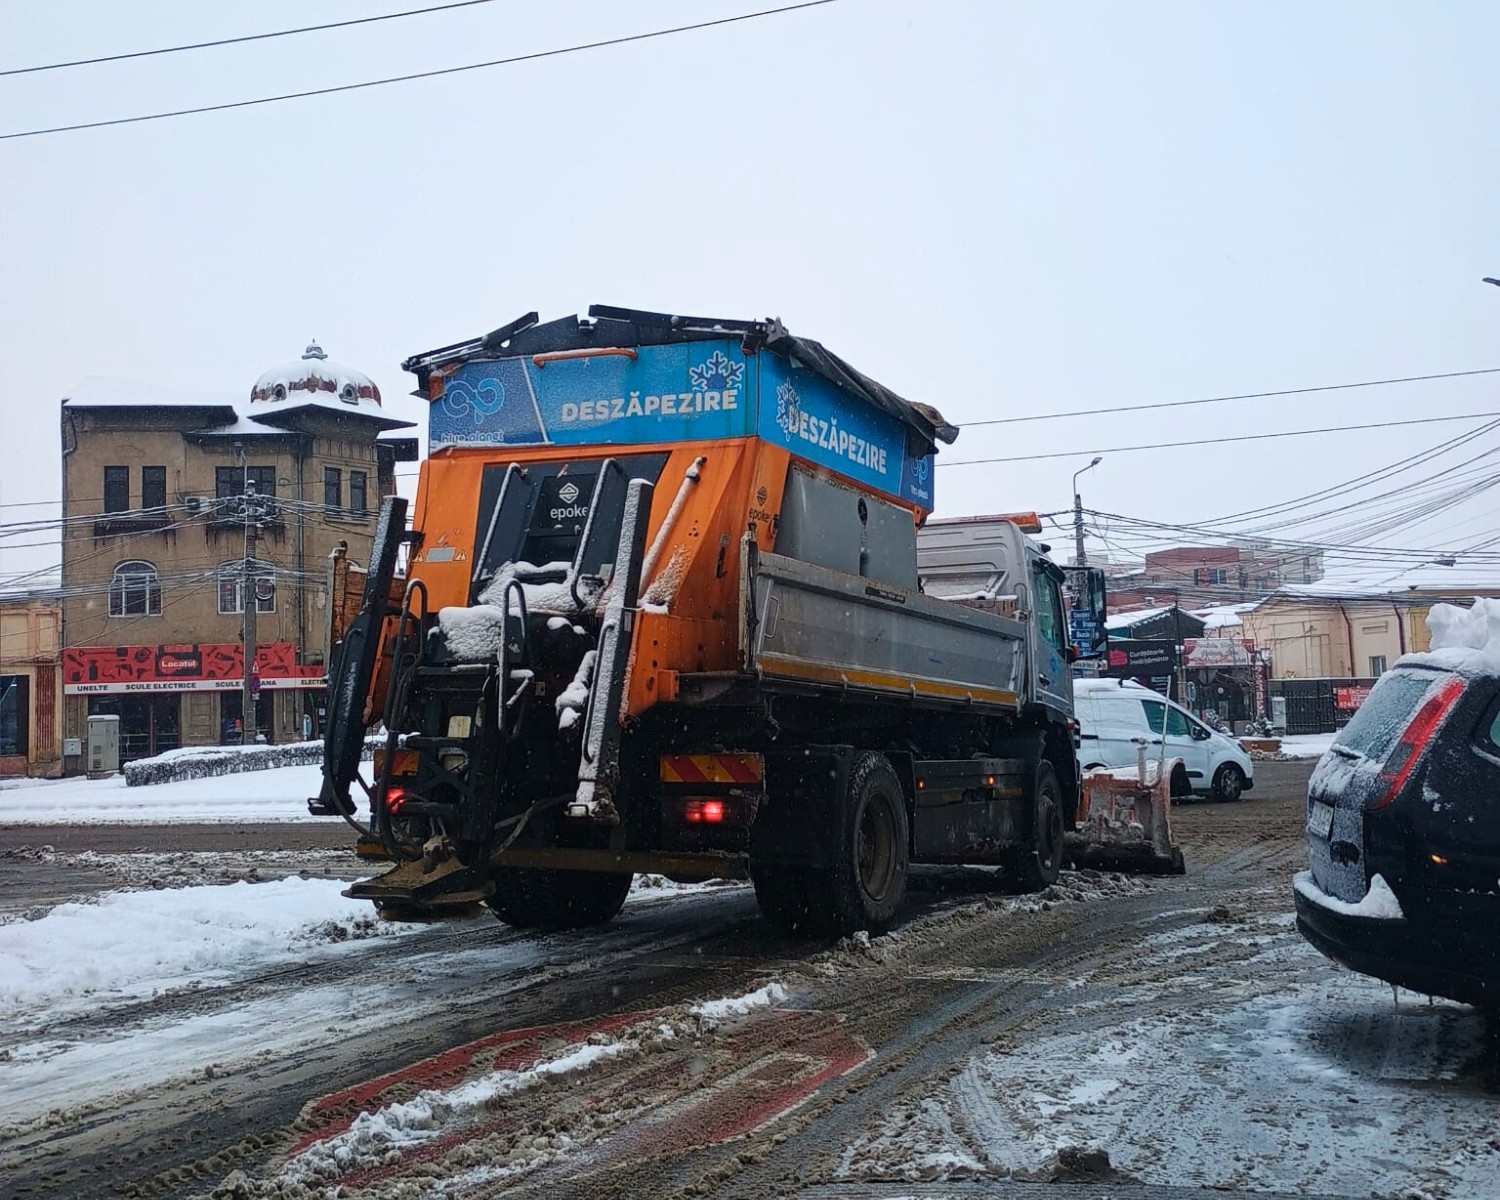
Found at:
<point>1125,823</point>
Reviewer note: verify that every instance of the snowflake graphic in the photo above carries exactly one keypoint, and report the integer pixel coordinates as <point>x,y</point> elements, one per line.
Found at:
<point>788,408</point>
<point>716,374</point>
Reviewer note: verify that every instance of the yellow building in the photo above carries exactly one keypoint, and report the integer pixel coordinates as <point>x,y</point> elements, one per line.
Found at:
<point>156,528</point>
<point>1322,634</point>
<point>30,674</point>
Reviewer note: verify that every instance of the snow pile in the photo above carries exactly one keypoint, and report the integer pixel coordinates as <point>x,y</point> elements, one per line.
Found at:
<point>132,944</point>
<point>574,698</point>
<point>380,1138</point>
<point>271,795</point>
<point>374,1137</point>
<point>712,1012</point>
<point>472,634</point>
<point>1474,628</point>
<point>542,595</point>
<point>203,762</point>
<point>1463,639</point>
<point>1378,904</point>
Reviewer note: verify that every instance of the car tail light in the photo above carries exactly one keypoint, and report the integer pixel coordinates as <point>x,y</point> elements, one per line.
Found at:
<point>395,797</point>
<point>1415,737</point>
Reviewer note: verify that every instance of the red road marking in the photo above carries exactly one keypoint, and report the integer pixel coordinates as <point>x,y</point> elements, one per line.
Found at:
<point>739,1102</point>
<point>516,1050</point>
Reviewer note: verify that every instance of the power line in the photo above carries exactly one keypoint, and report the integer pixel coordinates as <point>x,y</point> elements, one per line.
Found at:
<point>1245,437</point>
<point>234,41</point>
<point>372,83</point>
<point>1329,387</point>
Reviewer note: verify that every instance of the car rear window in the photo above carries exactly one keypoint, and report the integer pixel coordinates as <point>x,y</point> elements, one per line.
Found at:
<point>1380,719</point>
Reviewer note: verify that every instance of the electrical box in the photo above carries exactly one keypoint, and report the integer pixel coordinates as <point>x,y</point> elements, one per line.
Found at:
<point>72,747</point>
<point>104,745</point>
<point>1278,713</point>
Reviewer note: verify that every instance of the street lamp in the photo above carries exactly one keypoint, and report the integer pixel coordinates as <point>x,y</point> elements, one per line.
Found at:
<point>1080,559</point>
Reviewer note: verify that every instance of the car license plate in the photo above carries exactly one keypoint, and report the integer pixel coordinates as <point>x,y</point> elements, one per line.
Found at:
<point>1320,819</point>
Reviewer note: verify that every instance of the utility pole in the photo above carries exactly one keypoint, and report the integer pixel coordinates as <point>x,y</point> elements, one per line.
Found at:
<point>249,701</point>
<point>1080,558</point>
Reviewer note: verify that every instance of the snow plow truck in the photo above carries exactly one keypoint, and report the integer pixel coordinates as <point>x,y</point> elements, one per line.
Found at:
<point>659,610</point>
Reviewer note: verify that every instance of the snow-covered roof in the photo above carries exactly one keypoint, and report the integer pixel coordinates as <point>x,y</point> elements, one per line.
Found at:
<point>1386,584</point>
<point>1224,616</point>
<point>1125,620</point>
<point>250,418</point>
<point>102,391</point>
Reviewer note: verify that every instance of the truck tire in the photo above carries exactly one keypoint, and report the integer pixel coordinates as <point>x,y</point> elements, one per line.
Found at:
<point>1036,865</point>
<point>543,899</point>
<point>864,884</point>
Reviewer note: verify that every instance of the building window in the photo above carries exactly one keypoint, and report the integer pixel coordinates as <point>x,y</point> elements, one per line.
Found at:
<point>333,487</point>
<point>1377,665</point>
<point>153,487</point>
<point>232,586</point>
<point>229,482</point>
<point>15,715</point>
<point>116,489</point>
<point>135,591</point>
<point>357,499</point>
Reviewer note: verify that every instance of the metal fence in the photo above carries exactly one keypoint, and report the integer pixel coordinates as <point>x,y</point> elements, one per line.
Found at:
<point>1320,705</point>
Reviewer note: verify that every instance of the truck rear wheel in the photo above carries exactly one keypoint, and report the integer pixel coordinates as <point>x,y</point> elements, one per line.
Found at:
<point>866,881</point>
<point>1036,865</point>
<point>545,899</point>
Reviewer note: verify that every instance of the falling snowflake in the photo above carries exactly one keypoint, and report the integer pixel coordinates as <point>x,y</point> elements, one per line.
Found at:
<point>717,374</point>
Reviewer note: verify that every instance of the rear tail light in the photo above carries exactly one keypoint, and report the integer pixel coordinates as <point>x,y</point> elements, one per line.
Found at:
<point>704,812</point>
<point>1415,738</point>
<point>395,797</point>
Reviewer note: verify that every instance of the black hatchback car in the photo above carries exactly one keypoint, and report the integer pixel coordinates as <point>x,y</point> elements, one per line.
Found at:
<point>1403,834</point>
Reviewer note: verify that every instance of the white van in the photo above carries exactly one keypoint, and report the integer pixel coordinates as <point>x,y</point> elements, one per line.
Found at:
<point>1116,716</point>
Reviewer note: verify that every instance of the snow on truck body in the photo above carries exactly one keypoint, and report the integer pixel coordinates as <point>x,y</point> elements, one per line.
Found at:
<point>1403,829</point>
<point>662,612</point>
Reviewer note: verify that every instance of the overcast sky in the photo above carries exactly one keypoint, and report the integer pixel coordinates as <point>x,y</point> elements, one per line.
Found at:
<point>996,208</point>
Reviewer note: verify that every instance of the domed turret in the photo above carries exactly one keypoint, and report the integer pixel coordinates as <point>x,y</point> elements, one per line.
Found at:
<point>315,377</point>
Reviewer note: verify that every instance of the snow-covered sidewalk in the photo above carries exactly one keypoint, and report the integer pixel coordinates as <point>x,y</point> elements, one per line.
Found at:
<point>279,794</point>
<point>1307,745</point>
<point>131,945</point>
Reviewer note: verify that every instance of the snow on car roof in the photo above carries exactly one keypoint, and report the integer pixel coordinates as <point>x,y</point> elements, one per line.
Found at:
<point>1466,640</point>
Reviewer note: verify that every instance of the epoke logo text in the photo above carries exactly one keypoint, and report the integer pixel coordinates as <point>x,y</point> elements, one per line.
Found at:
<point>716,383</point>
<point>796,422</point>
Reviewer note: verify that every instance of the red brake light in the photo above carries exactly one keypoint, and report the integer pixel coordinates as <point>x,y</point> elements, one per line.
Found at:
<point>704,812</point>
<point>713,811</point>
<point>395,797</point>
<point>1414,739</point>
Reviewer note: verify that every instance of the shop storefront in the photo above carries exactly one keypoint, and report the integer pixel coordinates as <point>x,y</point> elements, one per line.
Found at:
<point>193,694</point>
